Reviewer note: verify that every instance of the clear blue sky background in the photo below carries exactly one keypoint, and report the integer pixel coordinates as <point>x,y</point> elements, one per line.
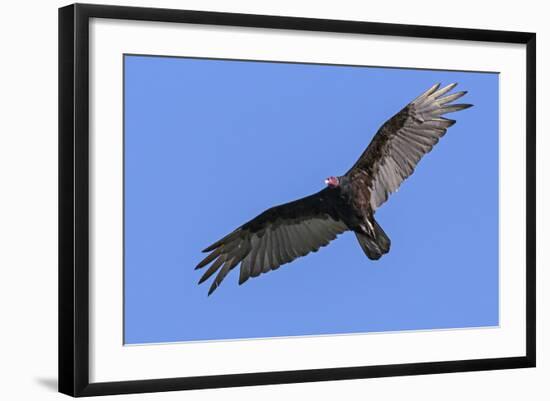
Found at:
<point>209,144</point>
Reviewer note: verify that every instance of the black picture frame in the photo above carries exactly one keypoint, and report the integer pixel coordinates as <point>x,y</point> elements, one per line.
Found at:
<point>74,198</point>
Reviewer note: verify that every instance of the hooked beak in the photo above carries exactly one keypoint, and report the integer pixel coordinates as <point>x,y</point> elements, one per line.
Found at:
<point>326,181</point>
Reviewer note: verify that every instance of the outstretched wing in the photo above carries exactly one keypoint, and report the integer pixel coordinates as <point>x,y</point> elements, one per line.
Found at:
<point>401,142</point>
<point>277,236</point>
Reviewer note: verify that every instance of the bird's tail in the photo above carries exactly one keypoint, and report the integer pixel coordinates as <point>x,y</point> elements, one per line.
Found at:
<point>375,247</point>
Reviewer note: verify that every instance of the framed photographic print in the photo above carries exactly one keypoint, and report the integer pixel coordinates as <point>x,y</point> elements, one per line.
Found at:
<point>249,199</point>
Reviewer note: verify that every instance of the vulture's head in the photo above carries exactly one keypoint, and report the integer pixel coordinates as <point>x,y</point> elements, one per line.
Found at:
<point>332,182</point>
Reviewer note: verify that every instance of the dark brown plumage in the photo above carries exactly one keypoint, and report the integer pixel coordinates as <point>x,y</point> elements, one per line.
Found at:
<point>283,233</point>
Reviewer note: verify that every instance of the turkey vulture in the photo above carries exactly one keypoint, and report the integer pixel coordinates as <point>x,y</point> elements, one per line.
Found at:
<point>348,202</point>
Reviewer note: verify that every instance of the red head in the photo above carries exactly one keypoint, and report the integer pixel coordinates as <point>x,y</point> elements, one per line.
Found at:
<point>332,182</point>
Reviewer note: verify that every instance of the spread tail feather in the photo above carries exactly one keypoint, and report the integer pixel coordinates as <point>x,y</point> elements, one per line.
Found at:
<point>375,247</point>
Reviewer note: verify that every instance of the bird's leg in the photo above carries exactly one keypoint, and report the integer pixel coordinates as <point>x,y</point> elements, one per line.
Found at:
<point>368,228</point>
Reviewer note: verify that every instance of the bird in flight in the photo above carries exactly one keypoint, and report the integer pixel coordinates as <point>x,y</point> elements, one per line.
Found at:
<point>286,232</point>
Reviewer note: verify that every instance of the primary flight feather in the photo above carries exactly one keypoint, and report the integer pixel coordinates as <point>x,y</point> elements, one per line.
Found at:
<point>348,203</point>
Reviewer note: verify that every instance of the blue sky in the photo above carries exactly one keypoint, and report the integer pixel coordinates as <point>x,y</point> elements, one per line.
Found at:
<point>209,144</point>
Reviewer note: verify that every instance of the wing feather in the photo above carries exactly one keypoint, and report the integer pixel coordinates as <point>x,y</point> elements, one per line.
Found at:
<point>403,140</point>
<point>275,237</point>
<point>287,244</point>
<point>261,258</point>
